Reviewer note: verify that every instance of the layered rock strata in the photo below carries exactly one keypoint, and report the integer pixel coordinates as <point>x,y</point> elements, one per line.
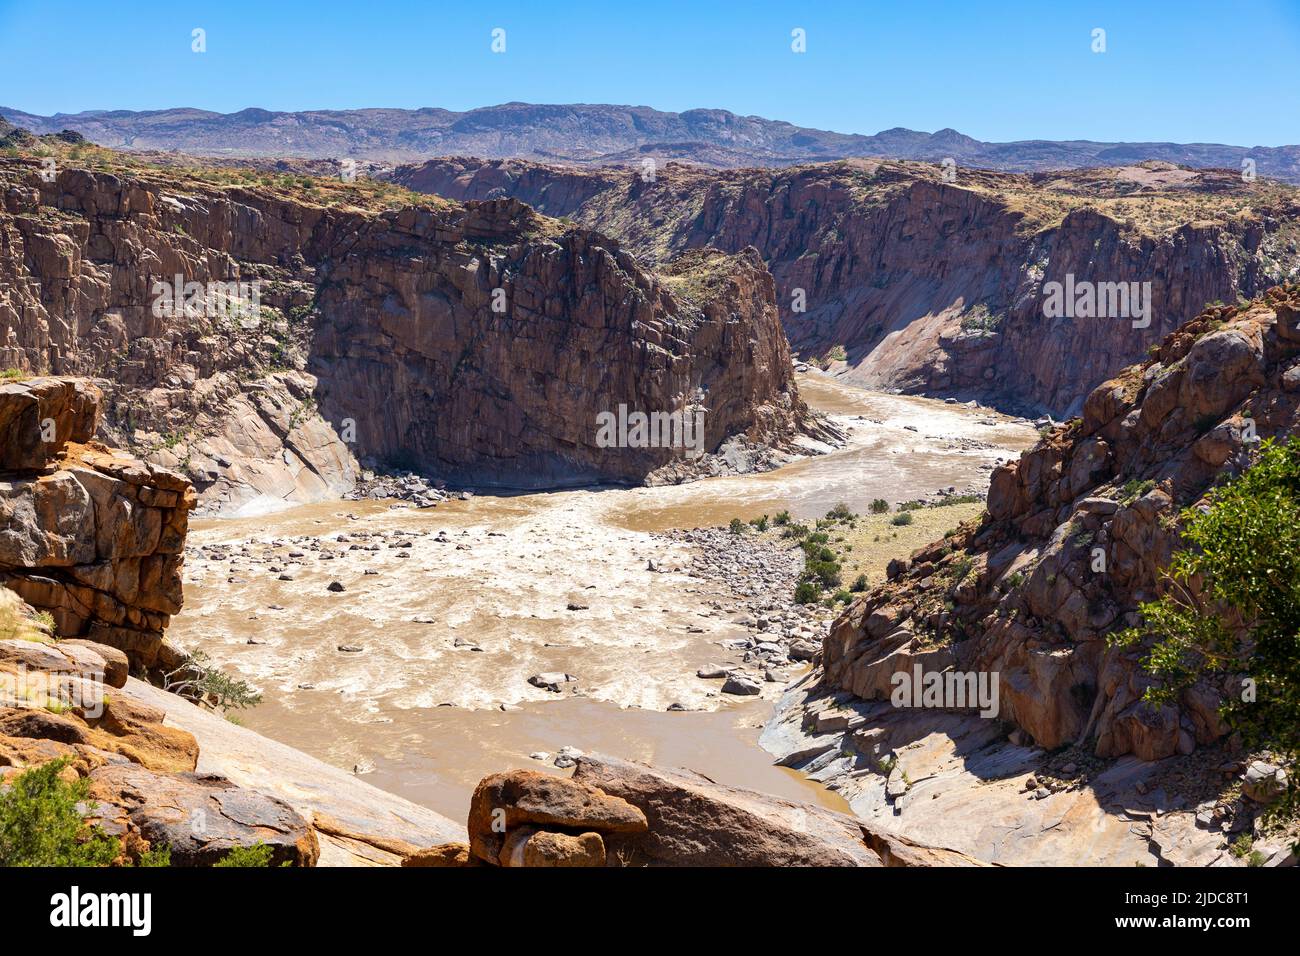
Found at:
<point>935,286</point>
<point>478,343</point>
<point>92,536</point>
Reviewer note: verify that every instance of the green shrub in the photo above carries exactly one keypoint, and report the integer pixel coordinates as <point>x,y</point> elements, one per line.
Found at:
<point>826,573</point>
<point>257,855</point>
<point>737,526</point>
<point>902,518</point>
<point>843,597</point>
<point>1245,549</point>
<point>806,592</point>
<point>859,583</point>
<point>1133,490</point>
<point>759,523</point>
<point>879,506</point>
<point>40,824</point>
<point>160,855</point>
<point>782,519</point>
<point>198,679</point>
<point>840,512</point>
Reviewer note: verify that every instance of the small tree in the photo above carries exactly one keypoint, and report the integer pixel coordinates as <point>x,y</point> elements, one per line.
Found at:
<point>198,680</point>
<point>1244,617</point>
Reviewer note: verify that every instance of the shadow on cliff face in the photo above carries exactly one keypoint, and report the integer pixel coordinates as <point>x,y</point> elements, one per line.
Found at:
<point>933,286</point>
<point>491,362</point>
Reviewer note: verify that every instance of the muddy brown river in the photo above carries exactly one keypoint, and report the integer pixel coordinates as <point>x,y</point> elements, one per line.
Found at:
<point>416,673</point>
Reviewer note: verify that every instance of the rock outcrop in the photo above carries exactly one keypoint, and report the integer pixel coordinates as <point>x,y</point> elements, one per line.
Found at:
<point>477,343</point>
<point>1076,535</point>
<point>618,813</point>
<point>91,536</point>
<point>73,701</point>
<point>934,286</point>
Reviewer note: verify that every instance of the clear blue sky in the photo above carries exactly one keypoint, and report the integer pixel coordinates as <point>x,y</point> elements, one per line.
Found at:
<point>1225,71</point>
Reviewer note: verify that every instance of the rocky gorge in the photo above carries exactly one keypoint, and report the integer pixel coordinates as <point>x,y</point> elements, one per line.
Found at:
<point>458,339</point>
<point>914,277</point>
<point>1077,533</point>
<point>489,651</point>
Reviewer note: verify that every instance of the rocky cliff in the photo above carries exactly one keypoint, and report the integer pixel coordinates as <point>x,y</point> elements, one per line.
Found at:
<point>87,534</point>
<point>262,334</point>
<point>1076,534</point>
<point>933,286</point>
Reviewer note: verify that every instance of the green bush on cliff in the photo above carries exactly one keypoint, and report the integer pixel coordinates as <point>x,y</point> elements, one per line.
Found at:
<point>1245,619</point>
<point>259,854</point>
<point>40,824</point>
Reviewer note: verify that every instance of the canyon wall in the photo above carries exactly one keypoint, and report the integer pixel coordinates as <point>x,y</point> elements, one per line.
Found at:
<point>477,342</point>
<point>936,287</point>
<point>1076,536</point>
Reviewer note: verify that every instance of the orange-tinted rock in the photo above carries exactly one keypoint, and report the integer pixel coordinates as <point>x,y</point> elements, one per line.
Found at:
<point>504,801</point>
<point>1078,533</point>
<point>444,854</point>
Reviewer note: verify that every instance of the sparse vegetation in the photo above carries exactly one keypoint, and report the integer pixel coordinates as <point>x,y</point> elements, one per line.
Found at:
<point>1133,490</point>
<point>1232,608</point>
<point>257,855</point>
<point>198,680</point>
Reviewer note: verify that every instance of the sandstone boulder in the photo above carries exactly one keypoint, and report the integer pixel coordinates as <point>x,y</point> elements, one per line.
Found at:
<point>202,817</point>
<point>505,801</point>
<point>693,821</point>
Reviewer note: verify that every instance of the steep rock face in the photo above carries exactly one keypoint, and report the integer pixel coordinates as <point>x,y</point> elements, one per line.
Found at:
<point>1076,535</point>
<point>432,375</point>
<point>377,333</point>
<point>932,286</point>
<point>87,533</point>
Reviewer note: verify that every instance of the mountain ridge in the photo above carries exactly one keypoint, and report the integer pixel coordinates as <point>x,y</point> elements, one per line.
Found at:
<point>599,133</point>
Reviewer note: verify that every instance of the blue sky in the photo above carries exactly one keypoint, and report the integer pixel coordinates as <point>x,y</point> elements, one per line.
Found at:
<point>1226,71</point>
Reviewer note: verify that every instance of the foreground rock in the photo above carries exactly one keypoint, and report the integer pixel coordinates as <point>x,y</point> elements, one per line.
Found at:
<point>617,813</point>
<point>143,788</point>
<point>503,802</point>
<point>696,822</point>
<point>200,818</point>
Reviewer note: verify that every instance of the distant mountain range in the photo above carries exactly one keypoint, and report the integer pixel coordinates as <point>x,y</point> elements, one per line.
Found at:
<point>602,134</point>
